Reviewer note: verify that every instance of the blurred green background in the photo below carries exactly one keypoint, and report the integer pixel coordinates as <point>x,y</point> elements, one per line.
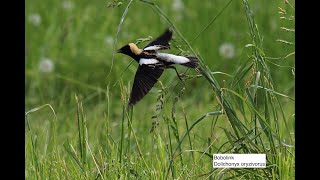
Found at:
<point>77,38</point>
<point>69,47</point>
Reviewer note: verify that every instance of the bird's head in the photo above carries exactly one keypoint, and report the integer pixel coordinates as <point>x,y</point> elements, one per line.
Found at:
<point>124,50</point>
<point>129,49</point>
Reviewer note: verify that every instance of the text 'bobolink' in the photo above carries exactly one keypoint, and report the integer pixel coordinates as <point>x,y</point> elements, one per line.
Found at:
<point>152,64</point>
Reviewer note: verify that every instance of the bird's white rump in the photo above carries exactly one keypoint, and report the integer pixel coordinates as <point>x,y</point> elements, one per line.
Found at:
<point>172,58</point>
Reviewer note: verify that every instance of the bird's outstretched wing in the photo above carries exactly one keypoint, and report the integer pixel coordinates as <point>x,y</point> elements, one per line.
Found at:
<point>162,42</point>
<point>146,76</point>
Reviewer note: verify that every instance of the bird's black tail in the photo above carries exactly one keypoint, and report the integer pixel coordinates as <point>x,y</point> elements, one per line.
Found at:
<point>194,62</point>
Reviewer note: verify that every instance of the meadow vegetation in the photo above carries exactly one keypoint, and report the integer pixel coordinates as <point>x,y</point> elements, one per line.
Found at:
<point>240,99</point>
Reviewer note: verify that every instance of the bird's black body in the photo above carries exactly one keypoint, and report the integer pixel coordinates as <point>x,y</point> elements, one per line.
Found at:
<point>152,64</point>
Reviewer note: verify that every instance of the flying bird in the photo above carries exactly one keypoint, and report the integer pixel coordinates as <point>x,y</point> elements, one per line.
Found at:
<point>152,64</point>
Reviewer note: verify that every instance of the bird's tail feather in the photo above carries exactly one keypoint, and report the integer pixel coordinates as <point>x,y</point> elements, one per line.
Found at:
<point>193,63</point>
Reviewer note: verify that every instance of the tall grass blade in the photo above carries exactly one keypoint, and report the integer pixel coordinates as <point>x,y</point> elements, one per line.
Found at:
<point>185,135</point>
<point>81,132</point>
<point>117,34</point>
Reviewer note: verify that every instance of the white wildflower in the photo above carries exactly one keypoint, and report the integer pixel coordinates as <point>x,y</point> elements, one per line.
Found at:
<point>68,5</point>
<point>35,19</point>
<point>108,40</point>
<point>46,65</point>
<point>273,25</point>
<point>227,50</point>
<point>177,5</point>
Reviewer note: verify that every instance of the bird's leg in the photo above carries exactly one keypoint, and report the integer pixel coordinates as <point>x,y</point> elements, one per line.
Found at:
<point>172,67</point>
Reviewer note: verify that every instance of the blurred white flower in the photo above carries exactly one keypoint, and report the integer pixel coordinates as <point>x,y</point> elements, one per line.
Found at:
<point>108,40</point>
<point>46,65</point>
<point>34,19</point>
<point>227,50</point>
<point>273,25</point>
<point>67,5</point>
<point>177,5</point>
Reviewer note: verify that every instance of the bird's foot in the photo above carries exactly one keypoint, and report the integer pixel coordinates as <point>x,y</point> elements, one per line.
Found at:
<point>179,75</point>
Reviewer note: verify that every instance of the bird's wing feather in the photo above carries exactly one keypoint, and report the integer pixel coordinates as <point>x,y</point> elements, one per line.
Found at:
<point>147,61</point>
<point>156,48</point>
<point>145,78</point>
<point>162,42</point>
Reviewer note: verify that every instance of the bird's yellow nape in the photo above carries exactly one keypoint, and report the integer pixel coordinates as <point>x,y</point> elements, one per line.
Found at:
<point>134,49</point>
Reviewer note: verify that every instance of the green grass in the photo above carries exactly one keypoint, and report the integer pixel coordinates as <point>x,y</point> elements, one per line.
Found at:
<point>77,126</point>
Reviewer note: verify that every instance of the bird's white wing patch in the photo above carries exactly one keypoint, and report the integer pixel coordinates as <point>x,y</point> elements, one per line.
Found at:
<point>172,58</point>
<point>147,61</point>
<point>153,48</point>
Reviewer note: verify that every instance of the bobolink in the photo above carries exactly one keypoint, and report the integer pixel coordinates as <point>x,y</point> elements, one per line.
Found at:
<point>152,64</point>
